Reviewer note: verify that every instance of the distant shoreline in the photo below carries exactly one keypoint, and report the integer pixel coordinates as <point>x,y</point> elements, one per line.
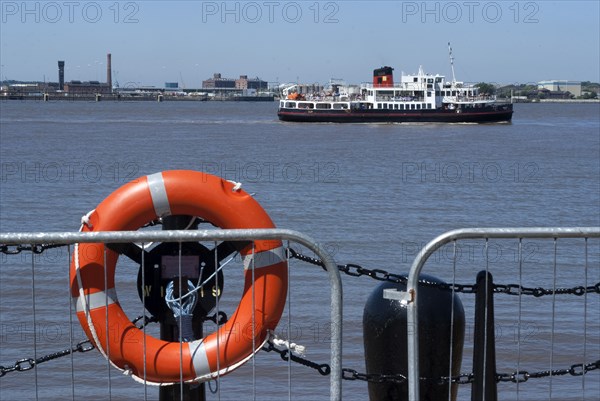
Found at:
<point>554,100</point>
<point>147,98</point>
<point>569,101</point>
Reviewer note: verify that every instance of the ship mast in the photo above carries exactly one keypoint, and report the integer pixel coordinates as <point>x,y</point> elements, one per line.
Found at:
<point>451,63</point>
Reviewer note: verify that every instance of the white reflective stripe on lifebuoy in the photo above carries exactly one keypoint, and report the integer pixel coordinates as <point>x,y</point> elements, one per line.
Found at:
<point>158,193</point>
<point>199,358</point>
<point>264,258</point>
<point>97,300</point>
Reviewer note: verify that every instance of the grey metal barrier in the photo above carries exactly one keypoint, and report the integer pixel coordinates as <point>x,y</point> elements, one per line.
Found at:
<point>145,237</point>
<point>411,295</point>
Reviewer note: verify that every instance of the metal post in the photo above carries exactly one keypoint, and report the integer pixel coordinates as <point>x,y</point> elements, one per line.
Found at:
<point>169,331</point>
<point>484,345</point>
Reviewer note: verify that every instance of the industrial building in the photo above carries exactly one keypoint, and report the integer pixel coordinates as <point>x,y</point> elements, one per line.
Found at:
<point>573,87</point>
<point>218,82</point>
<point>253,83</point>
<point>86,88</point>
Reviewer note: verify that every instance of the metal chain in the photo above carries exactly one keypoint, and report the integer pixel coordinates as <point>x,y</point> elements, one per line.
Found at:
<point>17,249</point>
<point>355,270</point>
<point>351,374</point>
<point>324,369</point>
<point>578,369</point>
<point>25,364</point>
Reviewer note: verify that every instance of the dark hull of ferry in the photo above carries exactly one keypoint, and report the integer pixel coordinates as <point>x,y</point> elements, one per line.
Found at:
<point>480,115</point>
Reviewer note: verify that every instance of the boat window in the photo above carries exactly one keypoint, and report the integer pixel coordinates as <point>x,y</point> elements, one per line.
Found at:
<point>418,107</point>
<point>429,105</point>
<point>291,105</point>
<point>437,93</point>
<point>428,94</point>
<point>339,106</point>
<point>323,106</point>
<point>412,106</point>
<point>453,93</point>
<point>424,105</point>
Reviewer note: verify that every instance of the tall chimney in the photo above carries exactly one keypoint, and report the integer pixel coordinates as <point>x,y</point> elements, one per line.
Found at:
<point>61,75</point>
<point>108,72</point>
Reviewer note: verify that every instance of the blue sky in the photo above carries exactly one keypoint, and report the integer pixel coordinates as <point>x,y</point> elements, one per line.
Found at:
<point>153,42</point>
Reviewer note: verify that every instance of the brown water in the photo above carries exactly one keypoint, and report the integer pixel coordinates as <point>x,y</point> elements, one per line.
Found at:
<point>373,194</point>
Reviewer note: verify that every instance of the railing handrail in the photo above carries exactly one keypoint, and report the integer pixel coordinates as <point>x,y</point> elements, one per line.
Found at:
<point>460,234</point>
<point>35,238</point>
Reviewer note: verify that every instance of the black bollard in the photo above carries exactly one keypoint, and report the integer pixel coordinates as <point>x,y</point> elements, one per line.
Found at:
<point>385,340</point>
<point>484,386</point>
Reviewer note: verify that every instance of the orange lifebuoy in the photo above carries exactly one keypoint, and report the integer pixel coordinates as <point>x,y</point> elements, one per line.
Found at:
<point>178,193</point>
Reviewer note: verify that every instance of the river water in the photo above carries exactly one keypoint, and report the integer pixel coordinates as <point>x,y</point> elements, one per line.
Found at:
<point>371,194</point>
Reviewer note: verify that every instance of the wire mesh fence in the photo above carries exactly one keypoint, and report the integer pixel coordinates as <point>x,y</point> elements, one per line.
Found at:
<point>39,324</point>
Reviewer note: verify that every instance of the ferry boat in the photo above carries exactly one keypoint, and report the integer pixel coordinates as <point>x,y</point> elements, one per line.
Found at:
<point>417,98</point>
